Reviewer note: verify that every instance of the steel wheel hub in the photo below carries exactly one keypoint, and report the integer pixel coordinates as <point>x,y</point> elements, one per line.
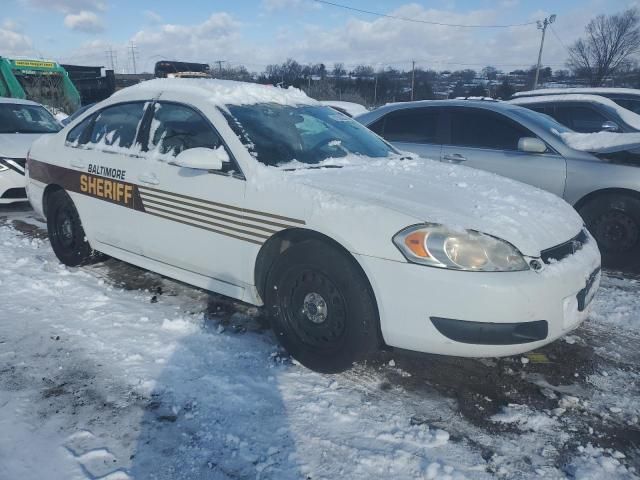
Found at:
<point>315,307</point>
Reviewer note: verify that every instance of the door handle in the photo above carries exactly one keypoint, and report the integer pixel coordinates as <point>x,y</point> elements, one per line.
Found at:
<point>148,178</point>
<point>77,163</point>
<point>454,157</point>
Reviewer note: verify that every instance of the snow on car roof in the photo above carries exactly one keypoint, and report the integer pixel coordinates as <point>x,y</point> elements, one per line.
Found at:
<point>587,90</point>
<point>18,101</point>
<point>350,107</point>
<point>221,92</point>
<point>629,117</point>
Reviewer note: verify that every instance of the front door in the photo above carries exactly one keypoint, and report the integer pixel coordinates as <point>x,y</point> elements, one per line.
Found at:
<point>194,219</point>
<point>488,141</point>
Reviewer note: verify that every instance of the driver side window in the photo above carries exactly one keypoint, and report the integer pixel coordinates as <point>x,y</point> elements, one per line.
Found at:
<point>479,128</point>
<point>176,128</point>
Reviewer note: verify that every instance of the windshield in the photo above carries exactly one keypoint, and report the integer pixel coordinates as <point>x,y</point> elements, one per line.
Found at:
<point>281,134</point>
<point>17,118</point>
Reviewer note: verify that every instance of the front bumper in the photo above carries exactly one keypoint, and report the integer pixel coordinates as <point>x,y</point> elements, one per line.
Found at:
<point>12,187</point>
<point>501,313</point>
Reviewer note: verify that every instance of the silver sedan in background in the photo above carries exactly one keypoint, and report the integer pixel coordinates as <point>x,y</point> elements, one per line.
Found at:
<point>533,148</point>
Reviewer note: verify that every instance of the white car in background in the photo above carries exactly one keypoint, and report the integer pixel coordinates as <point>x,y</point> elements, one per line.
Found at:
<point>21,122</point>
<point>266,196</point>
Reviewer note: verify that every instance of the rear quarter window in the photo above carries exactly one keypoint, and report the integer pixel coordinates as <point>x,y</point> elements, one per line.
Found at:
<point>75,135</point>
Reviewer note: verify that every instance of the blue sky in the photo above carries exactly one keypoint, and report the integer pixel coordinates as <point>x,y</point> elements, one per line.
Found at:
<point>257,32</point>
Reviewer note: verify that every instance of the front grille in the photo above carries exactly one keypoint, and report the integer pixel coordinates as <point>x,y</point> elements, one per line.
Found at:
<point>557,253</point>
<point>15,164</point>
<point>14,193</point>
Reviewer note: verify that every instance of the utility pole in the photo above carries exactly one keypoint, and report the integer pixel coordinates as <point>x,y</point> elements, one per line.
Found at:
<point>134,53</point>
<point>375,91</point>
<point>111,55</point>
<point>542,25</point>
<point>413,77</point>
<point>219,62</point>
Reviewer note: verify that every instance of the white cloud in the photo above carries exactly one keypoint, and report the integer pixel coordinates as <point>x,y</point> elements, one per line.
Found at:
<point>376,41</point>
<point>13,42</point>
<point>68,6</point>
<point>218,37</point>
<point>84,21</point>
<point>392,42</point>
<point>273,5</point>
<point>152,16</point>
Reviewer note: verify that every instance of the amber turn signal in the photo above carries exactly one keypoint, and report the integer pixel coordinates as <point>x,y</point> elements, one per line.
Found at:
<point>416,242</point>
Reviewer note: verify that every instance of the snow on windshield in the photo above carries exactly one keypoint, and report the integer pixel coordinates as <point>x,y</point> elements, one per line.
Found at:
<point>20,118</point>
<point>307,134</point>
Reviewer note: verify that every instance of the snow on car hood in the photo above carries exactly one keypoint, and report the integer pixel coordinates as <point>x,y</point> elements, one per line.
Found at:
<point>455,196</point>
<point>602,142</point>
<point>16,145</point>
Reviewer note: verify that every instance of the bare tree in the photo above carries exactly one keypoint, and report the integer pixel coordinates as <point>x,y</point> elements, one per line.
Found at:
<point>610,41</point>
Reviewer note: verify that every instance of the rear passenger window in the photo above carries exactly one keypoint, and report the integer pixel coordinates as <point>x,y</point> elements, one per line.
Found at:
<point>629,103</point>
<point>416,125</point>
<point>377,127</point>
<point>580,119</point>
<point>541,109</point>
<point>117,126</point>
<point>485,129</point>
<point>176,128</point>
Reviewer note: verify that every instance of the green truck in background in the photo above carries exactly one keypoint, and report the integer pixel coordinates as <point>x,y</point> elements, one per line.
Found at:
<point>42,81</point>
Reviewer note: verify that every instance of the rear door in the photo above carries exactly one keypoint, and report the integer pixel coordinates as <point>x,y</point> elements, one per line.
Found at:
<point>488,140</point>
<point>104,161</point>
<point>416,130</point>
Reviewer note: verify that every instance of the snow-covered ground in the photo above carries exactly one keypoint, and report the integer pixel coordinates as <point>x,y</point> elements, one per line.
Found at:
<point>112,372</point>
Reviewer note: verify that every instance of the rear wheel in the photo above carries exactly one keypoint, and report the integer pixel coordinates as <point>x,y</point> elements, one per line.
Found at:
<point>66,234</point>
<point>614,220</point>
<point>321,307</point>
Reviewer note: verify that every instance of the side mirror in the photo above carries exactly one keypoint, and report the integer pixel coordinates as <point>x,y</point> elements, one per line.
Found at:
<point>531,145</point>
<point>610,126</point>
<point>201,158</point>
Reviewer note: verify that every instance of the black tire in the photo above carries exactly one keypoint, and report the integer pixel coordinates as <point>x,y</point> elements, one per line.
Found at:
<point>321,307</point>
<point>614,221</point>
<point>66,234</point>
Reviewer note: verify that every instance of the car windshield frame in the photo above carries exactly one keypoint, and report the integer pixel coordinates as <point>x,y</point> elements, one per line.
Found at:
<point>18,112</point>
<point>304,136</point>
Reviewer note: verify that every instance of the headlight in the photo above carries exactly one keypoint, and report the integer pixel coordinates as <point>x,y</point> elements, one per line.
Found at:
<point>3,167</point>
<point>438,246</point>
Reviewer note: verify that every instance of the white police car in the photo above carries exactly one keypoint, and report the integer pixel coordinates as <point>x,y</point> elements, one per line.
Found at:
<point>21,122</point>
<point>266,196</point>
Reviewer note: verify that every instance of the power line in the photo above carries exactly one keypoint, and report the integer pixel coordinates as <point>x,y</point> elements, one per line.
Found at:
<point>416,20</point>
<point>559,39</point>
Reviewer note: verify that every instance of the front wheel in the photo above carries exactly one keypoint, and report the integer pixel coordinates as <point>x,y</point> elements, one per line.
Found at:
<point>321,307</point>
<point>614,221</point>
<point>66,234</point>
